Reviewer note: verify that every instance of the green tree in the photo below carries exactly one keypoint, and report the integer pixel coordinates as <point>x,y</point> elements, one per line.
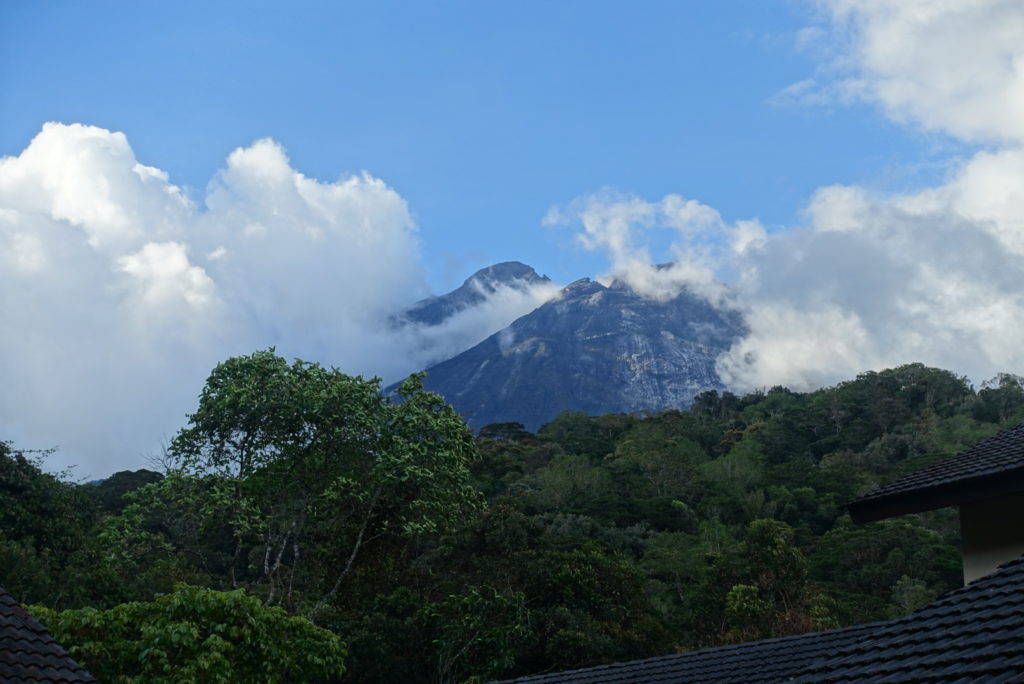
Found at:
<point>569,481</point>
<point>287,472</point>
<point>862,566</point>
<point>45,525</point>
<point>476,633</point>
<point>772,596</point>
<point>656,460</point>
<point>582,434</point>
<point>197,635</point>
<point>1000,398</point>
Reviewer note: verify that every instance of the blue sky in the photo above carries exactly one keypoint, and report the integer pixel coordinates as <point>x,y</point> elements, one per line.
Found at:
<point>481,115</point>
<point>183,182</point>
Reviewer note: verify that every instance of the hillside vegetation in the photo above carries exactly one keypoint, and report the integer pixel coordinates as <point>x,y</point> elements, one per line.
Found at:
<point>308,522</point>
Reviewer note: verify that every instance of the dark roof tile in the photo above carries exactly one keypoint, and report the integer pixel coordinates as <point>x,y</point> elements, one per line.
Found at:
<point>28,654</point>
<point>973,634</point>
<point>761,661</point>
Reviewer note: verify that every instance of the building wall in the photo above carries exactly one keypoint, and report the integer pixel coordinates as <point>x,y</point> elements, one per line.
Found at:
<point>993,534</point>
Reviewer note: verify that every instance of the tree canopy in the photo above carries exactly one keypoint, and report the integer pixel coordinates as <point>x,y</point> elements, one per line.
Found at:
<point>295,469</point>
<point>383,536</point>
<point>197,635</point>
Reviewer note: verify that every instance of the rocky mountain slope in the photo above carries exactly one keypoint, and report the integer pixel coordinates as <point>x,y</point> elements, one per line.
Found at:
<point>595,349</point>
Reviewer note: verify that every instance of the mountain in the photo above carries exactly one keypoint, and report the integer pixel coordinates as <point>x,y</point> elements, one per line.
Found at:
<point>595,349</point>
<point>434,310</point>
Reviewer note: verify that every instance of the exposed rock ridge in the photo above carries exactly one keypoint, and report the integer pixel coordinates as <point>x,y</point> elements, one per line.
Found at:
<point>594,348</point>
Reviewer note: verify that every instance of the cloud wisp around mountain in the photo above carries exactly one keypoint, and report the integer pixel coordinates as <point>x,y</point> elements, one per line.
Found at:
<point>871,280</point>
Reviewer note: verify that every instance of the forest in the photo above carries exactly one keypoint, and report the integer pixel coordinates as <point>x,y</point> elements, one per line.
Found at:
<point>303,526</point>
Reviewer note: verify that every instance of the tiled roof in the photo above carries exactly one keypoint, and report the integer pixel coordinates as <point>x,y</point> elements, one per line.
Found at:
<point>990,467</point>
<point>28,653</point>
<point>770,660</point>
<point>970,635</point>
<point>973,634</point>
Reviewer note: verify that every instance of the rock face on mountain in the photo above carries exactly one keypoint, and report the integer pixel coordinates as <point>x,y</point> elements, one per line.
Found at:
<point>595,349</point>
<point>434,310</point>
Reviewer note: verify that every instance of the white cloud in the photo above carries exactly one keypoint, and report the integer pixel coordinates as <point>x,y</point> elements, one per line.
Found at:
<point>88,178</point>
<point>988,191</point>
<point>313,265</point>
<point>429,344</point>
<point>872,282</point>
<point>798,348</point>
<point>955,66</point>
<point>120,294</point>
<point>623,226</point>
<point>167,287</point>
<point>928,276</point>
<point>877,282</point>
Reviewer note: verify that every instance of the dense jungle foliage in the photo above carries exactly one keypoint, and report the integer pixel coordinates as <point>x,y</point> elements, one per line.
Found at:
<point>309,525</point>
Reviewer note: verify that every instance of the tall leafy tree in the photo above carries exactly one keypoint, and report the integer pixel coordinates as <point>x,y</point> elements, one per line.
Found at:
<point>287,472</point>
<point>44,529</point>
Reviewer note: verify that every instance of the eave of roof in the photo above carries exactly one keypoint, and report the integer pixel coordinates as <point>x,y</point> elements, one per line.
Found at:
<point>990,468</point>
<point>964,491</point>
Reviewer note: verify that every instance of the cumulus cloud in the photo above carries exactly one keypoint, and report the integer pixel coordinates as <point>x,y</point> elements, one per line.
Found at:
<point>624,226</point>
<point>876,280</point>
<point>120,293</point>
<point>928,276</point>
<point>871,282</point>
<point>953,66</point>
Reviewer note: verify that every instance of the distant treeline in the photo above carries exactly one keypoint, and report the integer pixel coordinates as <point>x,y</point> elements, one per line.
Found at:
<point>310,529</point>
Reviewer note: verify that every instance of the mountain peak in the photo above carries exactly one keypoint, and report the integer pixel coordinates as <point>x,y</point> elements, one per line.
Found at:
<point>512,274</point>
<point>505,272</point>
<point>582,286</point>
